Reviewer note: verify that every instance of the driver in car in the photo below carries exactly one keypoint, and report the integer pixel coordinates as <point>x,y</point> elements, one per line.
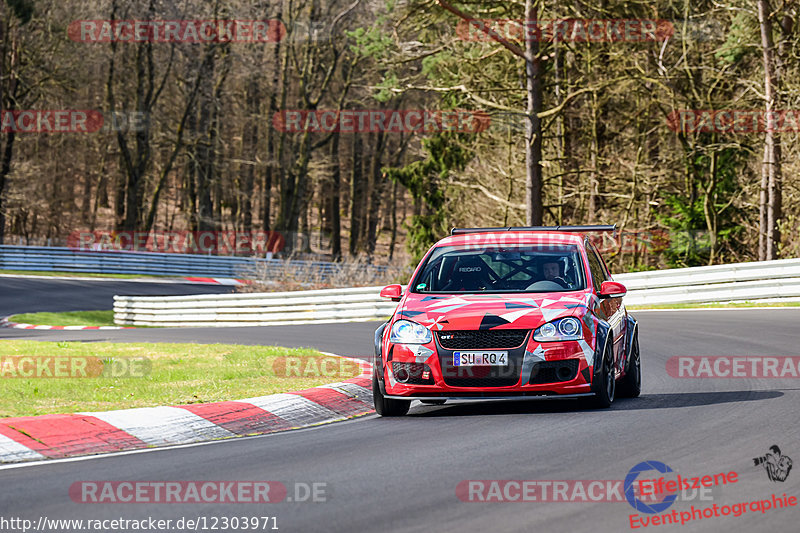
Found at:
<point>551,270</point>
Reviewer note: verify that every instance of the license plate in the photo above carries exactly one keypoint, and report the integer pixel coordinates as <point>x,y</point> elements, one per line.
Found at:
<point>480,359</point>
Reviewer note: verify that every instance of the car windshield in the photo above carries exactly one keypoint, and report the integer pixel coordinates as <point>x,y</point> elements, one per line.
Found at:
<point>518,268</point>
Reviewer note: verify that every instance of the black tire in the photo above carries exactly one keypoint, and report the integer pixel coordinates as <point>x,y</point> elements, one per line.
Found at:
<point>387,406</point>
<point>433,402</point>
<point>605,384</point>
<point>630,386</point>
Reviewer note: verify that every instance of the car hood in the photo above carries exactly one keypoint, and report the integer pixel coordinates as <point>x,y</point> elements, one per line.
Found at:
<point>484,311</point>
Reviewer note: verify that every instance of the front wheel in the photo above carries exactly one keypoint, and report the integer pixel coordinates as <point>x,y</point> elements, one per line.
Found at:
<point>387,406</point>
<point>631,385</point>
<point>605,383</point>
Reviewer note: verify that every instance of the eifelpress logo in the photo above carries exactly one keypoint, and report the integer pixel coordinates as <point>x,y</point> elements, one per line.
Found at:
<point>655,495</point>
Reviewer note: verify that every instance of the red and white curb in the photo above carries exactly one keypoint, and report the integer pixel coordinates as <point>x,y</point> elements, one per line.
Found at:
<point>35,438</point>
<point>219,281</point>
<point>6,323</point>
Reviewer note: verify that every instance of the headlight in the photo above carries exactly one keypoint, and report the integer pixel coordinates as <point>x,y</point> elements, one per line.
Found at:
<point>407,332</point>
<point>565,329</point>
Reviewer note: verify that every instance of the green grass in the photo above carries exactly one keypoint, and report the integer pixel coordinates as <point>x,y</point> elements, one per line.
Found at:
<point>715,305</point>
<point>178,374</point>
<point>50,273</point>
<point>72,318</point>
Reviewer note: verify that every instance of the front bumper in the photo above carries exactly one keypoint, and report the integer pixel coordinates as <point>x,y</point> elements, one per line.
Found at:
<point>535,371</point>
<point>490,397</point>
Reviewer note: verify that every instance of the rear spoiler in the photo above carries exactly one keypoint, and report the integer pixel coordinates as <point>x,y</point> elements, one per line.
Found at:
<point>462,231</point>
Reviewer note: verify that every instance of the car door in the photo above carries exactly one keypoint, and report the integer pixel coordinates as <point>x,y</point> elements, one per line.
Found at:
<point>609,309</point>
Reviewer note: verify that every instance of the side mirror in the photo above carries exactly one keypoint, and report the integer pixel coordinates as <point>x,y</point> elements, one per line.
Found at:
<point>612,289</point>
<point>393,292</point>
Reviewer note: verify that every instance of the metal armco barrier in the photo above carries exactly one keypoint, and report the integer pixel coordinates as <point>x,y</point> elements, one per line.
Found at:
<point>256,309</point>
<point>723,283</point>
<point>36,258</point>
<point>737,282</point>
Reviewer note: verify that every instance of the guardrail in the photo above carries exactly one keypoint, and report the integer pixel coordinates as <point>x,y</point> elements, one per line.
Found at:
<point>40,258</point>
<point>255,309</point>
<point>764,280</point>
<point>724,283</point>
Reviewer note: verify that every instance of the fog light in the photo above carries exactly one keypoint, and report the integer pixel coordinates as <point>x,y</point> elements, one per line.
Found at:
<point>401,375</point>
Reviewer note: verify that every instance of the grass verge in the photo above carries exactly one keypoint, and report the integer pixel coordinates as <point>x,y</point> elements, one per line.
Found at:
<point>172,374</point>
<point>72,318</point>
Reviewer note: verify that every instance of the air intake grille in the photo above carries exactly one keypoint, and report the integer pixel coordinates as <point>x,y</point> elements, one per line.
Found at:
<point>415,371</point>
<point>554,371</point>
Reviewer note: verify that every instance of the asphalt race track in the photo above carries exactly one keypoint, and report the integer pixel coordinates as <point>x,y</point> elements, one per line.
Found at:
<point>401,474</point>
<point>35,295</point>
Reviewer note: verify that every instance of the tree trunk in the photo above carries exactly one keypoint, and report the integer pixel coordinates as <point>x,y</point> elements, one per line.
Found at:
<point>190,174</point>
<point>86,199</point>
<point>5,169</point>
<point>335,200</point>
<point>762,206</point>
<point>393,216</point>
<point>8,100</point>
<point>533,129</point>
<point>772,154</point>
<point>138,162</point>
<point>709,207</point>
<point>205,205</point>
<point>376,193</point>
<point>356,207</point>
<point>250,141</point>
<point>121,181</point>
<point>272,172</point>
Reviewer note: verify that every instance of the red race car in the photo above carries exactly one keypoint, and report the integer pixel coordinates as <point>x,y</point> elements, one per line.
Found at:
<point>507,313</point>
